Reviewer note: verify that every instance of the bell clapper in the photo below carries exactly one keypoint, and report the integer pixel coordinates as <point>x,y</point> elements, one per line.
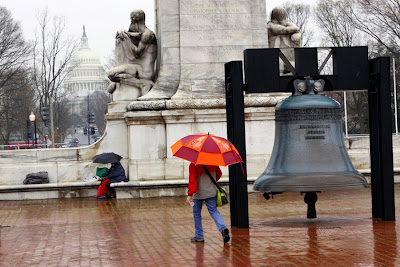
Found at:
<point>268,195</point>
<point>311,198</point>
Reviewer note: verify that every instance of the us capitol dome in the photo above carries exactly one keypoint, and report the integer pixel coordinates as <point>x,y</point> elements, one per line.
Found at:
<point>87,75</point>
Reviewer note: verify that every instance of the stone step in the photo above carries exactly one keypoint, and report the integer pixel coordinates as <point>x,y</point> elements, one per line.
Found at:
<point>49,190</point>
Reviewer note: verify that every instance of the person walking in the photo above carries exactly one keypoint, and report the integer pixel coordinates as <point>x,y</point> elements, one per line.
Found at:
<point>202,189</point>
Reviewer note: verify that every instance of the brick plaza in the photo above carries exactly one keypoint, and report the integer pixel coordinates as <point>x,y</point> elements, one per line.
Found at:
<point>157,231</point>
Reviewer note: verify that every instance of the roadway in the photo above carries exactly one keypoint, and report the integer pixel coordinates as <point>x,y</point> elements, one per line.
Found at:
<point>82,138</point>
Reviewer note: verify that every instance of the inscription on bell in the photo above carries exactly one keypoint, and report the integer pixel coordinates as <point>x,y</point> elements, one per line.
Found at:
<point>315,133</point>
<point>315,137</point>
<point>302,126</point>
<point>311,114</point>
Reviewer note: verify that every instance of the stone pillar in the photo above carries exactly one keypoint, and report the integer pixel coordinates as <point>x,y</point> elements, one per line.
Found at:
<point>115,138</point>
<point>147,142</point>
<point>196,38</point>
<point>211,34</point>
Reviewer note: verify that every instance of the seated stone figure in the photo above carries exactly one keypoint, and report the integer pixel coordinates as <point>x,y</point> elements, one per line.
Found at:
<point>283,34</point>
<point>135,55</point>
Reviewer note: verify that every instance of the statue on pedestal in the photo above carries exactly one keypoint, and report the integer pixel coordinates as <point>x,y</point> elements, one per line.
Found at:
<point>283,34</point>
<point>135,55</point>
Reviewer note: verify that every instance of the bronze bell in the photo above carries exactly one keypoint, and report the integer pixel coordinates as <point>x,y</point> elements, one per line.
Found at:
<point>309,153</point>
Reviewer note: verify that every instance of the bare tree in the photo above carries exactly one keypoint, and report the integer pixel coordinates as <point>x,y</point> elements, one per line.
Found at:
<point>53,51</point>
<point>62,118</point>
<point>14,50</point>
<point>98,101</point>
<point>110,61</point>
<point>338,29</point>
<point>378,19</point>
<point>300,15</point>
<point>16,106</point>
<point>15,93</point>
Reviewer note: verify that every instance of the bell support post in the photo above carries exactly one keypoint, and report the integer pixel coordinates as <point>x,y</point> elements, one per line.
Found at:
<point>379,101</point>
<point>239,206</point>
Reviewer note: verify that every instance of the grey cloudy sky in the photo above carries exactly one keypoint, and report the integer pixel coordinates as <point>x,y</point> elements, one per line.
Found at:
<point>102,18</point>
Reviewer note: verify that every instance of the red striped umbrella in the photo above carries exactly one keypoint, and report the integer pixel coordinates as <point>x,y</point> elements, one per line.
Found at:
<point>206,149</point>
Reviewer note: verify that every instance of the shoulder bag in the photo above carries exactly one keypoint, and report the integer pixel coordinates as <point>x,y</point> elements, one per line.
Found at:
<point>222,198</point>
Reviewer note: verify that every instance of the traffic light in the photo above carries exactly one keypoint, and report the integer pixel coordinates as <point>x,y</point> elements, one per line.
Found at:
<point>28,129</point>
<point>85,131</point>
<point>90,117</point>
<point>46,131</point>
<point>92,130</point>
<point>45,114</point>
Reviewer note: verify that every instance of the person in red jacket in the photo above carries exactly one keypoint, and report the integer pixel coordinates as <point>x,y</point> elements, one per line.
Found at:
<point>202,189</point>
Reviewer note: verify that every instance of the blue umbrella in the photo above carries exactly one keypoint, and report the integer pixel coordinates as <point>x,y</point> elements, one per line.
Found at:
<point>107,157</point>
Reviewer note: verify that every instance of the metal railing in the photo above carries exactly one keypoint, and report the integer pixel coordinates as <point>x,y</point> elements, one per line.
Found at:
<point>24,147</point>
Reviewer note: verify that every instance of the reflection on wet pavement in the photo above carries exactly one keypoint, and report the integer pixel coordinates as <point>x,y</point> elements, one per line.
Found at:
<point>157,231</point>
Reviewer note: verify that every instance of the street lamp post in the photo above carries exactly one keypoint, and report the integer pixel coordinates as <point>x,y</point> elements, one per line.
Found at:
<point>28,132</point>
<point>88,120</point>
<point>32,118</point>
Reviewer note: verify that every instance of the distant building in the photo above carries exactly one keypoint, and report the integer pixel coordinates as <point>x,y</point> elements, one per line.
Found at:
<point>87,75</point>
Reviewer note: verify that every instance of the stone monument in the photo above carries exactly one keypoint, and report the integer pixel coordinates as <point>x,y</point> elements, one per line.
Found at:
<point>283,34</point>
<point>135,55</point>
<point>197,38</point>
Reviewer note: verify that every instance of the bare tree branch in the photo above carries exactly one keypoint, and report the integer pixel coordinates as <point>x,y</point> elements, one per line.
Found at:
<point>15,90</point>
<point>338,29</point>
<point>300,14</point>
<point>378,19</point>
<point>53,51</point>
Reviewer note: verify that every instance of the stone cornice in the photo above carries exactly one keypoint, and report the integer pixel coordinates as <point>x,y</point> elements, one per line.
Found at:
<point>249,101</point>
<point>147,105</point>
<point>196,103</point>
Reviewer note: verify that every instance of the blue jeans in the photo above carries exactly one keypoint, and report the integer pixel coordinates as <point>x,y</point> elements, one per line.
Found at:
<point>211,204</point>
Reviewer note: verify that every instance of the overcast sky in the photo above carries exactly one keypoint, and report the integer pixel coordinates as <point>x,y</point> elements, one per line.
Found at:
<point>102,18</point>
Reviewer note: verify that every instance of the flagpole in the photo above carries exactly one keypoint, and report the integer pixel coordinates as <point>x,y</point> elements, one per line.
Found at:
<point>395,96</point>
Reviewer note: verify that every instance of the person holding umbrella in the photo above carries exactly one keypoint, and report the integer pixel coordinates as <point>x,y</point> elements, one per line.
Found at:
<point>206,152</point>
<point>202,189</point>
<point>115,174</point>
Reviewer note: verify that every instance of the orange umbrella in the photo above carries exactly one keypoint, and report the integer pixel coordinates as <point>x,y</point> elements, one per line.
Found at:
<point>206,149</point>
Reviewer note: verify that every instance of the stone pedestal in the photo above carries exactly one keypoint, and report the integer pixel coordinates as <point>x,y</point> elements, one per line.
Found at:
<point>126,92</point>
<point>151,133</point>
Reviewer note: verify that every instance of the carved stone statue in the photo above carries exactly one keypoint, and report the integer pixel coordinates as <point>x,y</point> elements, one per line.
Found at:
<point>135,55</point>
<point>283,34</point>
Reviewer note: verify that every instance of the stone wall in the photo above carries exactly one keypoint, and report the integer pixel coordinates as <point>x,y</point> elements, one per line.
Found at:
<point>144,138</point>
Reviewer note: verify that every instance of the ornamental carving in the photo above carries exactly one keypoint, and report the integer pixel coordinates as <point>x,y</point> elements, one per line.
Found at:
<point>259,101</point>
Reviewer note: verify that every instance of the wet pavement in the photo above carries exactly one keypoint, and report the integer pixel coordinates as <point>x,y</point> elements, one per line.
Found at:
<point>157,231</point>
